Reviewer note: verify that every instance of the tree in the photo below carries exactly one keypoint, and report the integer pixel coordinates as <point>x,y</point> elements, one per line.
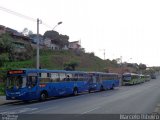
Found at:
<point>57,38</point>
<point>51,34</point>
<point>30,32</point>
<point>5,47</point>
<point>5,43</point>
<point>142,66</point>
<point>114,62</point>
<point>118,60</point>
<point>63,40</point>
<point>71,65</point>
<point>27,32</point>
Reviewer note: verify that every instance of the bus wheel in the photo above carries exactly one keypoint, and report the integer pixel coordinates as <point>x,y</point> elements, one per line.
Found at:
<point>101,88</point>
<point>89,91</point>
<point>75,92</point>
<point>43,96</point>
<point>112,87</point>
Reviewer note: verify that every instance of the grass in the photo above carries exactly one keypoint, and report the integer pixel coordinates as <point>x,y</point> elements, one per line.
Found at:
<point>50,59</point>
<point>2,89</point>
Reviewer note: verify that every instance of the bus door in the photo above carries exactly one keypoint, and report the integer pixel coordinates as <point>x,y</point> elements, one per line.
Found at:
<point>61,86</point>
<point>83,82</point>
<point>32,84</point>
<point>93,82</point>
<point>69,83</point>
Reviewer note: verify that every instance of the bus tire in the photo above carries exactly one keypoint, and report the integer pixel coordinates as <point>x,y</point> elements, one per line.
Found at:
<point>101,88</point>
<point>43,96</point>
<point>112,88</point>
<point>89,90</point>
<point>75,91</point>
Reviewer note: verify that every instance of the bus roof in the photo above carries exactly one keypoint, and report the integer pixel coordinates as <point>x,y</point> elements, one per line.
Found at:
<point>103,73</point>
<point>46,70</point>
<point>130,74</point>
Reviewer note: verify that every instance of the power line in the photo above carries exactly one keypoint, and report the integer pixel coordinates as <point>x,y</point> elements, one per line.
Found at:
<point>17,14</point>
<point>48,26</point>
<point>23,16</point>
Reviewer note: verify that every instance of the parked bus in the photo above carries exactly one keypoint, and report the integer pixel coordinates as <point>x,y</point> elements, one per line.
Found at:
<point>147,78</point>
<point>33,84</point>
<point>142,78</point>
<point>102,81</point>
<point>130,79</point>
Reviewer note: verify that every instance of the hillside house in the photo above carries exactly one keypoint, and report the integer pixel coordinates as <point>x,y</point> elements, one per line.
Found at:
<point>22,48</point>
<point>74,45</point>
<point>51,45</point>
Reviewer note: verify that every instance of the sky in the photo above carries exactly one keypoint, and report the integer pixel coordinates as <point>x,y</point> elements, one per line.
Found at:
<point>129,29</point>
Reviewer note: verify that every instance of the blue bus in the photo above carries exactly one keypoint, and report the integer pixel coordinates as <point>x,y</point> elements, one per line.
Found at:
<point>102,81</point>
<point>33,84</point>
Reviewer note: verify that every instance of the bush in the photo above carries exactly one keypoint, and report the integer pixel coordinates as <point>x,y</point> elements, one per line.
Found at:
<point>2,88</point>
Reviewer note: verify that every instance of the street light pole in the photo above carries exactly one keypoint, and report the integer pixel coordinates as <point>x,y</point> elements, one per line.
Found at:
<point>37,59</point>
<point>57,25</point>
<point>37,43</point>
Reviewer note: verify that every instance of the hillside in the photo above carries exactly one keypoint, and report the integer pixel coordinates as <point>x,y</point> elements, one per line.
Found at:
<point>50,59</point>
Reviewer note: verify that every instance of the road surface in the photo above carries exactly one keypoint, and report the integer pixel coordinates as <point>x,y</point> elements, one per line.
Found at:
<point>141,98</point>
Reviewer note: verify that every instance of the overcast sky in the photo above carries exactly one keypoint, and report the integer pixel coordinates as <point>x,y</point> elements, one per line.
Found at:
<point>127,28</point>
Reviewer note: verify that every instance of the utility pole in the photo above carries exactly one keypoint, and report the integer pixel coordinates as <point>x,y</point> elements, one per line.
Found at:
<point>37,43</point>
<point>104,53</point>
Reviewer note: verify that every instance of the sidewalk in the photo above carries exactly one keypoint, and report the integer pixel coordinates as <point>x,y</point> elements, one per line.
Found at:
<point>3,100</point>
<point>157,109</point>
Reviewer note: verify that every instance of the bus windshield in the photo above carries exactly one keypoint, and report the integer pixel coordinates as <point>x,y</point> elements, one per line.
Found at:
<point>16,82</point>
<point>126,78</point>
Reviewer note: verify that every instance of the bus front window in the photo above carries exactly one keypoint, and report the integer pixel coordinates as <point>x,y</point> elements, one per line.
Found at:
<point>126,78</point>
<point>16,82</point>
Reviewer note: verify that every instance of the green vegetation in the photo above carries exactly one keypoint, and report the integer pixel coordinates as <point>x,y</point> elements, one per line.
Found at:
<point>3,72</point>
<point>50,59</point>
<point>2,88</point>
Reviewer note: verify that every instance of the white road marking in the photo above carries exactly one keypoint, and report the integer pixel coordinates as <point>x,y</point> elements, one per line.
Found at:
<point>42,110</point>
<point>91,110</point>
<point>23,110</point>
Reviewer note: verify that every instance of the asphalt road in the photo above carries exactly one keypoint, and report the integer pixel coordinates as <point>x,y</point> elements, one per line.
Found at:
<point>141,98</point>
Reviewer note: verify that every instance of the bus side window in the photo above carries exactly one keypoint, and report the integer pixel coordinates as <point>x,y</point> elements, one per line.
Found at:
<point>67,78</point>
<point>80,77</point>
<point>62,76</point>
<point>55,77</point>
<point>98,79</point>
<point>74,77</point>
<point>94,79</point>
